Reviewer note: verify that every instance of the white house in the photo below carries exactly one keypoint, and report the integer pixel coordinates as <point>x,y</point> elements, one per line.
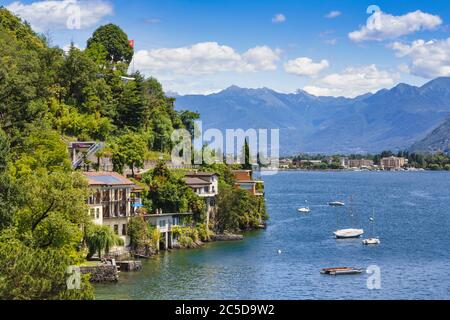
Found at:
<point>113,201</point>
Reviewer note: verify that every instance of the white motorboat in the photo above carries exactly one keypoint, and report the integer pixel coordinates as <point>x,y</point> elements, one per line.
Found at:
<point>305,209</point>
<point>348,233</point>
<point>336,204</point>
<point>371,241</point>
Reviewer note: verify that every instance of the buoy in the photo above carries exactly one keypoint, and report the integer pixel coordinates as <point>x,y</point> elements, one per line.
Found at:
<point>279,252</point>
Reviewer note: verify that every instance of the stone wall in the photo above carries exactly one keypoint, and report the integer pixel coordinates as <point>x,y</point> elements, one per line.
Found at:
<point>127,266</point>
<point>102,273</point>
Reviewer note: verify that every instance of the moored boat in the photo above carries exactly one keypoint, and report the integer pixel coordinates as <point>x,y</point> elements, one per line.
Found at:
<point>336,204</point>
<point>371,241</point>
<point>348,233</point>
<point>341,271</point>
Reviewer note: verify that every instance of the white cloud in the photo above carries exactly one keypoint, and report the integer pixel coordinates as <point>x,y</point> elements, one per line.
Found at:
<point>279,18</point>
<point>333,14</point>
<point>352,82</point>
<point>205,58</point>
<point>71,14</point>
<point>381,26</point>
<point>429,59</point>
<point>304,66</point>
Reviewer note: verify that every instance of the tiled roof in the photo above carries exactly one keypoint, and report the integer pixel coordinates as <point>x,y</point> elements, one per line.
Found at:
<point>107,179</point>
<point>196,182</point>
<point>201,174</point>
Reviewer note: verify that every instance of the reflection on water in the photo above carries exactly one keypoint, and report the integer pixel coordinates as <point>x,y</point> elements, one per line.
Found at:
<point>413,220</point>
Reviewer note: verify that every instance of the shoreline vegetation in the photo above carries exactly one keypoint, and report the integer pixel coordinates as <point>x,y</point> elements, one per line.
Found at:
<point>51,98</point>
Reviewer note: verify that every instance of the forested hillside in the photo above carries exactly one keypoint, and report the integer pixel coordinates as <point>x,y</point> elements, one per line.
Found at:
<point>49,97</point>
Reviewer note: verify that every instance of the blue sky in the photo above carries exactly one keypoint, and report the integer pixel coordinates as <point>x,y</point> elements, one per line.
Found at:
<point>323,47</point>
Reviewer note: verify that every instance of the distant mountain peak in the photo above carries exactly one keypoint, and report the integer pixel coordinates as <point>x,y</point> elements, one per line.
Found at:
<point>438,83</point>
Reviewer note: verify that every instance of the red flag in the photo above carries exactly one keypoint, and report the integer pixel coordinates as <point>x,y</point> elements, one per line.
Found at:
<point>131,43</point>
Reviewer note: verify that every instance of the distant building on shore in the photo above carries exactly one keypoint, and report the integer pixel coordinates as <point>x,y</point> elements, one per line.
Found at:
<point>356,163</point>
<point>393,163</point>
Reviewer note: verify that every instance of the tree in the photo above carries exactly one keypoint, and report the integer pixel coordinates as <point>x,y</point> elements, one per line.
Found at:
<point>41,148</point>
<point>188,119</point>
<point>55,208</point>
<point>77,73</point>
<point>115,41</point>
<point>28,273</point>
<point>140,234</point>
<point>9,194</point>
<point>131,106</point>
<point>128,149</point>
<point>238,210</point>
<point>101,239</point>
<point>170,193</point>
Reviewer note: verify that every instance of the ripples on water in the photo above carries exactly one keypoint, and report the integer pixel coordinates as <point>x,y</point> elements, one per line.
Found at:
<point>413,220</point>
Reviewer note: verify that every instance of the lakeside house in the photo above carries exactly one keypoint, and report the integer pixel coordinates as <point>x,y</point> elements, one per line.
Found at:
<point>206,186</point>
<point>113,201</point>
<point>244,180</point>
<point>393,163</point>
<point>165,223</point>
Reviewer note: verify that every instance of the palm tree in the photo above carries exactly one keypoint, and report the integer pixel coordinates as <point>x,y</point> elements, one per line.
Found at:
<point>101,238</point>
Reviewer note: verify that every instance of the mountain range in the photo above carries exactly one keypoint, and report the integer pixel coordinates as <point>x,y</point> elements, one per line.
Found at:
<point>393,119</point>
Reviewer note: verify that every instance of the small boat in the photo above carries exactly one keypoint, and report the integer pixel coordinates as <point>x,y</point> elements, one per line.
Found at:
<point>305,209</point>
<point>336,204</point>
<point>371,241</point>
<point>341,271</point>
<point>348,233</point>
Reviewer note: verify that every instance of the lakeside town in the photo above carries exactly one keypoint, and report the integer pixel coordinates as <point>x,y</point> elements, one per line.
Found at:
<point>385,161</point>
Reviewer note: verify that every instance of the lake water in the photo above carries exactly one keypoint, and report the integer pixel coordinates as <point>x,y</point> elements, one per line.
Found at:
<point>412,211</point>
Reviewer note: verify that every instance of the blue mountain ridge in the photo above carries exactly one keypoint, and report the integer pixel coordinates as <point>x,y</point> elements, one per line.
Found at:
<point>391,119</point>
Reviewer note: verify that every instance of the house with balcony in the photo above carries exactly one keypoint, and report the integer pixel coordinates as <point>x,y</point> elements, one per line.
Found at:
<point>165,222</point>
<point>206,186</point>
<point>244,180</point>
<point>113,201</point>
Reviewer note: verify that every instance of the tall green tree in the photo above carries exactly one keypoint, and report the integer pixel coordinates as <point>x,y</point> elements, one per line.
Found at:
<point>128,149</point>
<point>77,73</point>
<point>115,41</point>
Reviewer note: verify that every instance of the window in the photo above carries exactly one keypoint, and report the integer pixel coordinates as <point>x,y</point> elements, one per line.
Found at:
<point>176,221</point>
<point>124,229</point>
<point>162,223</point>
<point>97,214</point>
<point>92,213</point>
<point>116,229</point>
